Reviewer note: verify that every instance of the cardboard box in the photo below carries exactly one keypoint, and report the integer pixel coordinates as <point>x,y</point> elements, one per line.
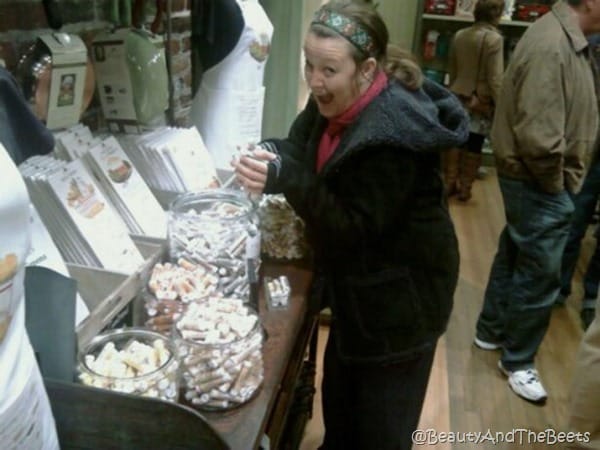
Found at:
<point>109,295</point>
<point>69,59</point>
<point>131,76</point>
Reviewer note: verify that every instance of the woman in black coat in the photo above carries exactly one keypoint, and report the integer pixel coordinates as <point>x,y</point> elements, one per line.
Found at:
<point>361,167</point>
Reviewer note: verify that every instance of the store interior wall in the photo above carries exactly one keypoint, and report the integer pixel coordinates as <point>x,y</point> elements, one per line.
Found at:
<point>23,20</point>
<point>286,91</point>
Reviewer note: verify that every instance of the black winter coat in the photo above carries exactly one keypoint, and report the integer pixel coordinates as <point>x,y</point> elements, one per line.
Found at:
<point>377,218</point>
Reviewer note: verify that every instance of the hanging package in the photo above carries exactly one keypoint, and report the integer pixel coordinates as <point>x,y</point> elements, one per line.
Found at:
<point>131,68</point>
<point>57,79</point>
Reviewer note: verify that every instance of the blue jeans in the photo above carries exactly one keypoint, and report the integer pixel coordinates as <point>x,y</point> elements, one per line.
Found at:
<point>585,205</point>
<point>525,276</point>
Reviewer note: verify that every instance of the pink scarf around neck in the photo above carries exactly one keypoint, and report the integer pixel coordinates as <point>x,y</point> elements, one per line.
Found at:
<point>332,135</point>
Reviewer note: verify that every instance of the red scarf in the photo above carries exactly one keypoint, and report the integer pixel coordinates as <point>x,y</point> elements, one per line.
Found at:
<point>332,135</point>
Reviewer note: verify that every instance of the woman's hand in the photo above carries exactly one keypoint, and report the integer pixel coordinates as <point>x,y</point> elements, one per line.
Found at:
<point>251,168</point>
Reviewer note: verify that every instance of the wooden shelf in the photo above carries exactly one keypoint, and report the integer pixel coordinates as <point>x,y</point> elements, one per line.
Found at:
<point>440,17</point>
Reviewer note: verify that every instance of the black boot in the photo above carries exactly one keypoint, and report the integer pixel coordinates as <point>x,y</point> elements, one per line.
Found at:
<point>587,315</point>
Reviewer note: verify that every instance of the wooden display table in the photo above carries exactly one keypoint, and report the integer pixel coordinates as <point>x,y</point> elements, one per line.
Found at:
<point>91,418</point>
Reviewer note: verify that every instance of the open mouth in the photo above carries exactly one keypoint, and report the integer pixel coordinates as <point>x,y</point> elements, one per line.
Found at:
<point>324,99</point>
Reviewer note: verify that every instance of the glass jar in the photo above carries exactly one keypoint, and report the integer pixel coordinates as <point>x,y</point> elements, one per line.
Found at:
<point>216,229</point>
<point>133,361</point>
<point>221,359</point>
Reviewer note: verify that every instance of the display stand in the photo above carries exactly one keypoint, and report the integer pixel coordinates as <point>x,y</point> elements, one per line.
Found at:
<point>107,294</point>
<point>91,418</point>
<point>279,410</point>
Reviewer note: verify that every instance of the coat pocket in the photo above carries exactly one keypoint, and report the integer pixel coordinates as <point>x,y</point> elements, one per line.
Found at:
<point>385,304</point>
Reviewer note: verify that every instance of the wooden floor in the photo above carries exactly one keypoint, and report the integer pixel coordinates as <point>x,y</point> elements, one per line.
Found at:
<point>466,391</point>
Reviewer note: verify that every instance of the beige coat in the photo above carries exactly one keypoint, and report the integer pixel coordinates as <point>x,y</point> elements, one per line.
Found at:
<point>479,44</point>
<point>546,116</point>
<point>585,389</point>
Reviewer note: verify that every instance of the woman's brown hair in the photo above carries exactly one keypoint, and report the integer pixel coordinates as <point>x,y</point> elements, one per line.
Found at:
<point>396,62</point>
<point>488,10</point>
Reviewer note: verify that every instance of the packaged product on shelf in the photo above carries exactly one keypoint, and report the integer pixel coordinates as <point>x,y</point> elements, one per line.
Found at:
<point>220,348</point>
<point>44,253</point>
<point>530,10</point>
<point>85,227</point>
<point>132,78</point>
<point>509,9</point>
<point>57,79</point>
<point>429,49</point>
<point>66,147</point>
<point>127,190</point>
<point>132,361</point>
<point>444,7</point>
<point>101,227</point>
<point>465,8</point>
<point>282,231</point>
<point>277,292</point>
<point>173,160</point>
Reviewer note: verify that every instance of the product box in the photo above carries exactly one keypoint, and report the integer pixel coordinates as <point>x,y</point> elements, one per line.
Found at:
<point>132,79</point>
<point>530,11</point>
<point>110,296</point>
<point>69,59</point>
<point>443,7</point>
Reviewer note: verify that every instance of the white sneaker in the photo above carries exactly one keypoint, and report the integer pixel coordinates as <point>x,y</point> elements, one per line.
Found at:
<point>525,383</point>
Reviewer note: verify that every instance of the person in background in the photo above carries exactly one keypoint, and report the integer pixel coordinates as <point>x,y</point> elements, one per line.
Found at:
<point>543,135</point>
<point>585,206</point>
<point>475,72</point>
<point>361,167</point>
<point>584,401</point>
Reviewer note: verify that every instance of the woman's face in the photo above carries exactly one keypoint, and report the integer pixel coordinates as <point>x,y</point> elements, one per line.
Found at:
<point>331,74</point>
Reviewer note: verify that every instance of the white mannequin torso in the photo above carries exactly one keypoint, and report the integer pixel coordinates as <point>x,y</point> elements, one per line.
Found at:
<point>24,404</point>
<point>227,110</point>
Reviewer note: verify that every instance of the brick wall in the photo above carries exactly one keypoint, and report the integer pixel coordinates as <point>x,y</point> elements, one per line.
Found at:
<point>22,21</point>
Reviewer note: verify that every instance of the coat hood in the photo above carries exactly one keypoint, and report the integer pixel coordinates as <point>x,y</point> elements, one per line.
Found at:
<point>429,119</point>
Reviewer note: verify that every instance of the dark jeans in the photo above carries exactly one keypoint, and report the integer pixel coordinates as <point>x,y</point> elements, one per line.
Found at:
<point>585,205</point>
<point>372,407</point>
<point>475,143</point>
<point>525,275</point>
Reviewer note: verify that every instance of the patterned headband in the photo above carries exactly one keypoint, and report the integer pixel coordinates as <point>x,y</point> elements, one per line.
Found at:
<point>347,28</point>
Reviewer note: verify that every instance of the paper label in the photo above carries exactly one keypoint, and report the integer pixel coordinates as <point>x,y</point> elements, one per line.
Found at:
<point>99,224</point>
<point>45,254</point>
<point>130,187</point>
<point>69,59</point>
<point>114,83</point>
<point>193,162</point>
